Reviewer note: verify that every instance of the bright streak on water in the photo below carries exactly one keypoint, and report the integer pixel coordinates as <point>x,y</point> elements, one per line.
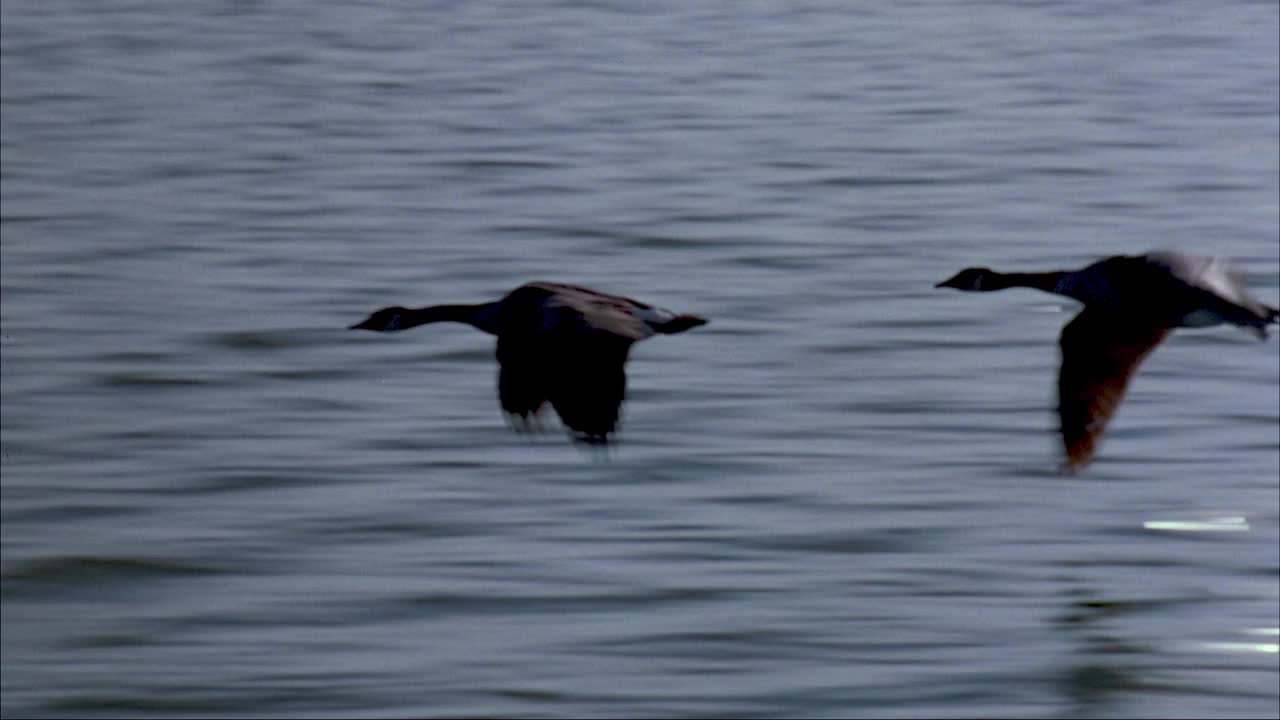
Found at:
<point>1225,524</point>
<point>1244,647</point>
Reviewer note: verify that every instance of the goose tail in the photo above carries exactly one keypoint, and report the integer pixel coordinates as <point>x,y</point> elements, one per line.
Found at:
<point>1269,315</point>
<point>679,324</point>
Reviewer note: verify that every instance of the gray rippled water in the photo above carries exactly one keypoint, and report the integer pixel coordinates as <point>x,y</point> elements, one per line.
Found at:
<point>838,499</point>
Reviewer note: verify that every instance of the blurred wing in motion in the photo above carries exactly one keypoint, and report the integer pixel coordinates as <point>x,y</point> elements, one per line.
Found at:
<point>1100,354</point>
<point>522,382</point>
<point>587,384</point>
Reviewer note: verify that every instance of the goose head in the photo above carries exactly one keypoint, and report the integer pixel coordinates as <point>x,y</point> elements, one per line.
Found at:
<point>388,319</point>
<point>971,279</point>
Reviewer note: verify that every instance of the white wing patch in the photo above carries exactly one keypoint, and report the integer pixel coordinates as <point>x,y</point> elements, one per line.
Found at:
<point>1211,273</point>
<point>1220,278</point>
<point>654,315</point>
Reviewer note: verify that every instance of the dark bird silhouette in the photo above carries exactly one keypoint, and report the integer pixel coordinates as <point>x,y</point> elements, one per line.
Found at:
<point>1131,303</point>
<point>557,343</point>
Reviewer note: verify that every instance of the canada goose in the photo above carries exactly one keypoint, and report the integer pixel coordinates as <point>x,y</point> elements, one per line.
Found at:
<point>560,343</point>
<point>1131,303</point>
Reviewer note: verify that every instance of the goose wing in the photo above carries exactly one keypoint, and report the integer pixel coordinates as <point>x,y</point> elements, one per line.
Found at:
<point>1213,274</point>
<point>568,345</point>
<point>522,383</point>
<point>587,383</point>
<point>1100,354</point>
<point>1217,289</point>
<point>569,349</point>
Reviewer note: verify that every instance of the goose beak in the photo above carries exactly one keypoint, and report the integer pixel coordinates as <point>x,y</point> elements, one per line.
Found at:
<point>366,324</point>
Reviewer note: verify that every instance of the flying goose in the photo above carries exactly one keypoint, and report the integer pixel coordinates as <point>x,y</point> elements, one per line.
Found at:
<point>560,343</point>
<point>1131,302</point>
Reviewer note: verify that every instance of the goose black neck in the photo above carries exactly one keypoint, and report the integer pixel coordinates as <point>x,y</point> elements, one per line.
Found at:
<point>475,315</point>
<point>1046,281</point>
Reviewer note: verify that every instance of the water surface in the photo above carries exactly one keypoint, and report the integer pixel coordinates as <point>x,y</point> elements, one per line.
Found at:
<point>837,499</point>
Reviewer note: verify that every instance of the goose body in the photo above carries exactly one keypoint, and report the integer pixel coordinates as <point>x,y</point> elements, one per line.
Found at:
<point>1131,303</point>
<point>557,343</point>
